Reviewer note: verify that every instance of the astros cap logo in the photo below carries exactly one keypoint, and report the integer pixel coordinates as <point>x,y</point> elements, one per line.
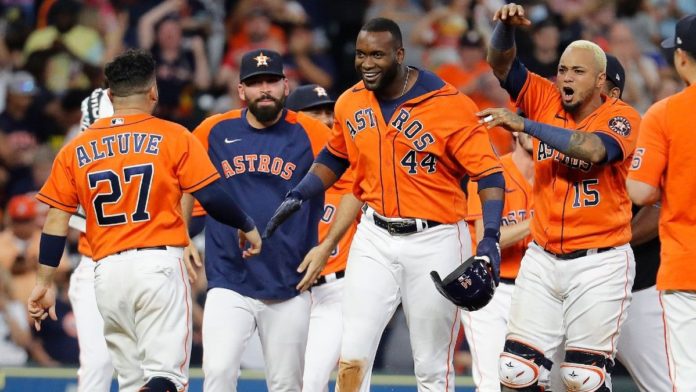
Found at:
<point>320,92</point>
<point>261,59</point>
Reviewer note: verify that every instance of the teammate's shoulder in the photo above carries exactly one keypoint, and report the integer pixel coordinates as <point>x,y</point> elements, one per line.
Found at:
<point>303,119</point>
<point>215,119</point>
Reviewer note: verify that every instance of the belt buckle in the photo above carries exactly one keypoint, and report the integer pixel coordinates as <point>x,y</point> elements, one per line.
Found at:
<point>391,228</point>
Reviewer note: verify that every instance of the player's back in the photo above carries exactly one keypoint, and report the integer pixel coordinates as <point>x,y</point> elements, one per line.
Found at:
<point>129,173</point>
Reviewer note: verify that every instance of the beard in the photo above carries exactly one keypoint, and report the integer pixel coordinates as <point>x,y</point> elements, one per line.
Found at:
<point>388,76</point>
<point>267,113</point>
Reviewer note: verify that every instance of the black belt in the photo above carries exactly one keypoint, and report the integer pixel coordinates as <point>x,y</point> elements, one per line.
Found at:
<point>401,226</point>
<point>322,279</point>
<point>578,253</point>
<point>507,280</point>
<point>161,247</point>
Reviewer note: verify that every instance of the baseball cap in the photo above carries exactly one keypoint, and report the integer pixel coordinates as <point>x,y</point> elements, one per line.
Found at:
<point>684,35</point>
<point>308,96</point>
<point>22,208</point>
<point>260,62</point>
<point>21,82</point>
<point>615,72</point>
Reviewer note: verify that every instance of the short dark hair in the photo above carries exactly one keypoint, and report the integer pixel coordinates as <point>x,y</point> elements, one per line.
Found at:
<point>377,25</point>
<point>130,73</point>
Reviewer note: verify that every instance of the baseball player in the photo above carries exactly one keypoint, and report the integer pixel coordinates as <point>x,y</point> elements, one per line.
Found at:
<point>408,150</point>
<point>96,369</point>
<point>576,276</point>
<point>114,171</point>
<point>662,171</point>
<point>485,329</point>
<point>325,322</point>
<point>262,152</point>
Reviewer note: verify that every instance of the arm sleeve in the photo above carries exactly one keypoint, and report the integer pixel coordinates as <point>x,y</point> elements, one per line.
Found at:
<point>516,79</point>
<point>221,206</point>
<point>650,156</point>
<point>337,164</point>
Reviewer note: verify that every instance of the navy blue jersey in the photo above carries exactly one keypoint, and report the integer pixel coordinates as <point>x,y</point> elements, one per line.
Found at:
<point>259,167</point>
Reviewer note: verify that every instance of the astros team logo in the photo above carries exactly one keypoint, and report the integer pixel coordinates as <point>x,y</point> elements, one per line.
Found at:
<point>262,59</point>
<point>465,281</point>
<point>320,92</point>
<point>620,125</point>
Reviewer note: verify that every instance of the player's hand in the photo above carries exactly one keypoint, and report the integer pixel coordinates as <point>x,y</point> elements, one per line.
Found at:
<point>313,264</point>
<point>288,207</point>
<point>250,243</point>
<point>42,304</point>
<point>488,249</point>
<point>512,14</point>
<point>192,259</point>
<point>502,117</point>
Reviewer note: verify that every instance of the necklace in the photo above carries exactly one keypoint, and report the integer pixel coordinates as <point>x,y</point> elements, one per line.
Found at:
<point>403,90</point>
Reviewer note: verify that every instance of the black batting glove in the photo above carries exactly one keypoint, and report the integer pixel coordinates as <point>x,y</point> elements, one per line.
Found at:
<point>288,207</point>
<point>489,250</point>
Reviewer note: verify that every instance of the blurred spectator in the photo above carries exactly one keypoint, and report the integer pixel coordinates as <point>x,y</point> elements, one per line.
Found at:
<point>642,77</point>
<point>439,31</point>
<point>543,59</point>
<point>14,325</point>
<point>256,31</point>
<point>646,32</point>
<point>111,24</point>
<point>68,54</point>
<point>20,240</point>
<point>305,63</point>
<point>406,13</point>
<point>182,63</point>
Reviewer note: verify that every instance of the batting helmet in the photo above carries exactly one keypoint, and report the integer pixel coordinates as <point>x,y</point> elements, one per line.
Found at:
<point>470,286</point>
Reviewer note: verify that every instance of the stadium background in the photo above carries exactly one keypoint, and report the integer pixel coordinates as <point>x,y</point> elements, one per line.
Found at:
<point>52,52</point>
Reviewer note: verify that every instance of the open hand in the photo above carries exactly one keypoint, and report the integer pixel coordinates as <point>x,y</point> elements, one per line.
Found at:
<point>250,243</point>
<point>502,117</point>
<point>512,14</point>
<point>313,264</point>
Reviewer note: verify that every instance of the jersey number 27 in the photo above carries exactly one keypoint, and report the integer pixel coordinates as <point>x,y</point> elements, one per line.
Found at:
<point>114,179</point>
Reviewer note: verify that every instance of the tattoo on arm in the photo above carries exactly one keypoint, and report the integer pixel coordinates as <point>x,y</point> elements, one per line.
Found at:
<point>586,146</point>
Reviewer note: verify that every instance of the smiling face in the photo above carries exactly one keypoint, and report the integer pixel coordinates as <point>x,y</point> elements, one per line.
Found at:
<point>265,96</point>
<point>377,59</point>
<point>579,79</point>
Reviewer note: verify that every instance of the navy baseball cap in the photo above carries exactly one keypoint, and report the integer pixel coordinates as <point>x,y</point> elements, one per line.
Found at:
<point>261,62</point>
<point>684,35</point>
<point>308,96</point>
<point>615,72</point>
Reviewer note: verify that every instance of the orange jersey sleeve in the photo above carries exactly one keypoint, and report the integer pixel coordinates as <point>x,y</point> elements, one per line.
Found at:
<point>420,153</point>
<point>665,159</point>
<point>518,207</point>
<point>129,174</point>
<point>579,205</point>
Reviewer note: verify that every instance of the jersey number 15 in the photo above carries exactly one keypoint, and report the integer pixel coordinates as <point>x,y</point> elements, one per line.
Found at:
<point>114,179</point>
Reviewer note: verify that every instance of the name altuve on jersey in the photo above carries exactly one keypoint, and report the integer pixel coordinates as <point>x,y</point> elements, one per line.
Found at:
<point>121,144</point>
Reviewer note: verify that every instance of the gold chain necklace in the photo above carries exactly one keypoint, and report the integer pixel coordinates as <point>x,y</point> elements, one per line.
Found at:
<point>403,90</point>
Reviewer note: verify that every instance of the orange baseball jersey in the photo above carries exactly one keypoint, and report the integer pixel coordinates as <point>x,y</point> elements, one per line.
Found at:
<point>518,207</point>
<point>664,158</point>
<point>579,205</point>
<point>83,246</point>
<point>411,165</point>
<point>339,257</point>
<point>129,172</point>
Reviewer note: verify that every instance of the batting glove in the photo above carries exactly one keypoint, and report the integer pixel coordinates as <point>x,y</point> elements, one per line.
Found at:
<point>288,207</point>
<point>489,250</point>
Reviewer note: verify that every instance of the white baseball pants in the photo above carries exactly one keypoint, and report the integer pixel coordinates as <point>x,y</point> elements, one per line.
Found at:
<point>144,298</point>
<point>324,339</point>
<point>384,270</point>
<point>485,331</point>
<point>586,299</point>
<point>96,371</point>
<point>229,320</point>
<point>680,320</point>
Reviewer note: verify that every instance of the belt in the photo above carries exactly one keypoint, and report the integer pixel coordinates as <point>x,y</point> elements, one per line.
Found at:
<point>161,247</point>
<point>401,226</point>
<point>507,280</point>
<point>578,253</point>
<point>329,278</point>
